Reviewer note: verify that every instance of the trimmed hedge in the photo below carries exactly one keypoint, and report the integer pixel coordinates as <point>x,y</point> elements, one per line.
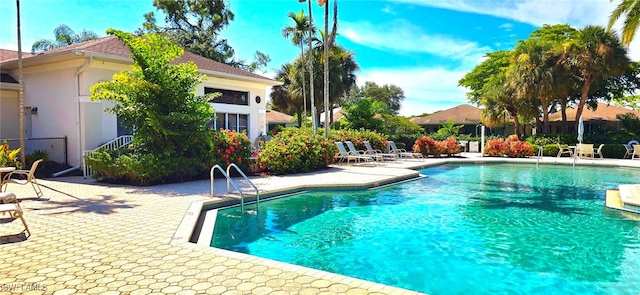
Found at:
<point>296,151</point>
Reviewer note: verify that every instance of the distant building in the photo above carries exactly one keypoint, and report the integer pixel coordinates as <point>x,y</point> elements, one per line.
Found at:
<point>466,115</point>
<point>601,119</point>
<point>275,118</point>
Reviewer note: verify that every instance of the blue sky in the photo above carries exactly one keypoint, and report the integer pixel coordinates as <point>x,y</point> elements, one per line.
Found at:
<point>422,46</point>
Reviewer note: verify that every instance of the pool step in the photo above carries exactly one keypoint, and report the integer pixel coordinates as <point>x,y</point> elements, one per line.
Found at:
<point>613,199</point>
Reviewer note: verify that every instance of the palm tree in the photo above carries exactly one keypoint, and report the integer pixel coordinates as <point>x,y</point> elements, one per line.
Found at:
<point>489,88</point>
<point>595,54</point>
<point>531,73</point>
<point>284,97</point>
<point>64,36</point>
<point>327,46</point>
<point>631,10</point>
<point>310,66</point>
<point>297,32</point>
<point>342,67</point>
<point>20,88</point>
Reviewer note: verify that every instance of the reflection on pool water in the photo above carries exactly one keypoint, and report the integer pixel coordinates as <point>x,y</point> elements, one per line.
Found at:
<point>492,228</point>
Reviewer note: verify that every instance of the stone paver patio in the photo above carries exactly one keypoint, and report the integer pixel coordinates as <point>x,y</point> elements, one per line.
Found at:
<point>93,238</point>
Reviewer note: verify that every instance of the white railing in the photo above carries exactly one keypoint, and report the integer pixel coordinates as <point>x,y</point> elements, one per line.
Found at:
<point>115,144</point>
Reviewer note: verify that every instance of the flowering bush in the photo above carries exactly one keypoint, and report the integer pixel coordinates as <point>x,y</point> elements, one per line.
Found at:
<point>230,147</point>
<point>428,146</point>
<point>451,147</point>
<point>496,147</point>
<point>295,151</point>
<point>9,157</point>
<point>512,147</point>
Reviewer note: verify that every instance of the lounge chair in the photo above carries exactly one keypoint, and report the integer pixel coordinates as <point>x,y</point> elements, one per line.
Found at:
<point>629,147</point>
<point>598,151</point>
<point>584,150</point>
<point>402,153</point>
<point>354,151</point>
<point>371,151</point>
<point>636,152</point>
<point>343,155</point>
<point>29,178</point>
<point>16,212</point>
<point>564,150</point>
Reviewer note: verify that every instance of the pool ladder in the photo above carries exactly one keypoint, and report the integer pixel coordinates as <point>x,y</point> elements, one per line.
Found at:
<point>231,182</point>
<point>540,154</point>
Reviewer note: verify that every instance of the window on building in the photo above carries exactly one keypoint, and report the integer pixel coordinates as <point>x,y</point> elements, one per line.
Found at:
<point>229,96</point>
<point>235,122</point>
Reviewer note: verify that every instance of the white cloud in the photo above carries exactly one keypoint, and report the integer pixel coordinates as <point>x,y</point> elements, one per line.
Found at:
<point>535,12</point>
<point>387,9</point>
<point>404,37</point>
<point>426,89</point>
<point>507,27</point>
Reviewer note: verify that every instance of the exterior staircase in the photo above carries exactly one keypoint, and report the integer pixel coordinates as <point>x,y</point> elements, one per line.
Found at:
<point>115,144</point>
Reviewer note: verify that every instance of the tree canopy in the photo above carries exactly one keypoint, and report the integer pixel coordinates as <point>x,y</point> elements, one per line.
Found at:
<point>388,94</point>
<point>63,36</point>
<point>557,66</point>
<point>158,100</point>
<point>195,25</point>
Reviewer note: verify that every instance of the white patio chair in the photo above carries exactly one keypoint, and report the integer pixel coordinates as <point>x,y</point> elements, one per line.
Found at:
<point>343,155</point>
<point>598,151</point>
<point>386,156</point>
<point>354,151</point>
<point>402,153</point>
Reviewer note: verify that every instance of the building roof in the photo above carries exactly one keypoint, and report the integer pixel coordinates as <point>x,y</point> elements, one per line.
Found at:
<point>277,117</point>
<point>604,112</point>
<point>111,46</point>
<point>6,55</point>
<point>462,114</point>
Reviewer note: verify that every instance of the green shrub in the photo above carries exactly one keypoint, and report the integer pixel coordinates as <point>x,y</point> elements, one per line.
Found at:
<point>550,150</point>
<point>9,157</point>
<point>36,155</point>
<point>296,151</point>
<point>131,167</point>
<point>614,151</point>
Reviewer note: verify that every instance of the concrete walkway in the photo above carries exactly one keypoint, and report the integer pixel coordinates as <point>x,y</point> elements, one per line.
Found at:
<point>94,238</point>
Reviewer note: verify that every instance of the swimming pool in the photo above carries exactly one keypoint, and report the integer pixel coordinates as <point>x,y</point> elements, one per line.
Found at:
<point>466,228</point>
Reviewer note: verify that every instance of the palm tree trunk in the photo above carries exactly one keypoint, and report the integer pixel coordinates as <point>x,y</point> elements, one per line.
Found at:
<point>311,94</point>
<point>326,71</point>
<point>545,115</point>
<point>565,124</point>
<point>21,89</point>
<point>304,84</point>
<point>583,98</point>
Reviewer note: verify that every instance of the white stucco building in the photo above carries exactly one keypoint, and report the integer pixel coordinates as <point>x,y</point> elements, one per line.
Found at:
<point>56,94</point>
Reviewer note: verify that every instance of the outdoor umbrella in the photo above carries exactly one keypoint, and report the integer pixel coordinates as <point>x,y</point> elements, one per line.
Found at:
<point>580,129</point>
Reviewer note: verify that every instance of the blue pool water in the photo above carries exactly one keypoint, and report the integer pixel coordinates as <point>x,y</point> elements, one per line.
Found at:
<point>465,229</point>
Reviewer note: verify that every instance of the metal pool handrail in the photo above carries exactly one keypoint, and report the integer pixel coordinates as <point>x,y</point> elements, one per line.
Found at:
<point>245,178</point>
<point>229,180</point>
